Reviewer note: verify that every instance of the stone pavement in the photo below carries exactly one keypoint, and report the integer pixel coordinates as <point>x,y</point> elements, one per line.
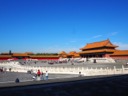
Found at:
<point>78,86</point>
<point>6,77</point>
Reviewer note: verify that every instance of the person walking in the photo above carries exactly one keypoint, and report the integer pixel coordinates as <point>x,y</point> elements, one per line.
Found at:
<point>46,75</point>
<point>42,76</point>
<point>38,74</point>
<point>80,74</point>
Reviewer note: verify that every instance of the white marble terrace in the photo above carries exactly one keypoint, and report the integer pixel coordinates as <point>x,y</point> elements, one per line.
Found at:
<point>16,67</point>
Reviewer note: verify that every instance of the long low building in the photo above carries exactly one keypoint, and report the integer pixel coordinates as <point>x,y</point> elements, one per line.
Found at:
<point>15,56</point>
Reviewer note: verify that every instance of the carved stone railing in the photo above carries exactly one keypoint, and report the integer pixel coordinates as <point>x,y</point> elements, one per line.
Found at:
<point>16,67</point>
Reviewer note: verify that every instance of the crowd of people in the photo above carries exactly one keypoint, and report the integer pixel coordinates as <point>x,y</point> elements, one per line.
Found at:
<point>40,75</point>
<point>36,77</point>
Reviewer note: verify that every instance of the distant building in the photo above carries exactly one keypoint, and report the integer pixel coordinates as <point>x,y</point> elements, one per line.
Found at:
<point>72,54</point>
<point>63,54</point>
<point>97,49</point>
<point>120,54</point>
<point>27,55</point>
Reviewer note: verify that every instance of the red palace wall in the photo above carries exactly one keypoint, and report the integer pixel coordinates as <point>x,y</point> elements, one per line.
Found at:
<point>4,58</point>
<point>123,57</point>
<point>45,58</point>
<point>39,58</point>
<point>119,57</point>
<point>106,55</point>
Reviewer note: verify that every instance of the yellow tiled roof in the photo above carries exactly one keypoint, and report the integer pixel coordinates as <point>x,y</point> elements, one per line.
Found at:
<point>5,56</point>
<point>43,56</point>
<point>106,43</point>
<point>77,55</point>
<point>19,54</point>
<point>63,52</point>
<point>96,51</point>
<point>120,52</point>
<point>72,53</point>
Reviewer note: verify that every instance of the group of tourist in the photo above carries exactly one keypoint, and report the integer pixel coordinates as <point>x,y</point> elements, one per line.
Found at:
<point>41,76</point>
<point>2,69</point>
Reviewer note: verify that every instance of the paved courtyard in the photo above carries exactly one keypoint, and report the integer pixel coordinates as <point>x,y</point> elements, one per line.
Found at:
<point>7,77</point>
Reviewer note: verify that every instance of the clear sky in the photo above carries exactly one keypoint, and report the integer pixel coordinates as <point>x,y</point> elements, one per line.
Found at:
<point>57,25</point>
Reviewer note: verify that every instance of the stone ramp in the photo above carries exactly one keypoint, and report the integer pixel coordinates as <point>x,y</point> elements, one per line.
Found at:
<point>80,86</point>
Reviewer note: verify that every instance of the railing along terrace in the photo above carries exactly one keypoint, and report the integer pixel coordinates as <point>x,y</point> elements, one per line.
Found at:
<point>16,67</point>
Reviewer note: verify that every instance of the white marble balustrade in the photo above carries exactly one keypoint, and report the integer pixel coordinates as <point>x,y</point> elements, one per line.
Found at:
<point>16,67</point>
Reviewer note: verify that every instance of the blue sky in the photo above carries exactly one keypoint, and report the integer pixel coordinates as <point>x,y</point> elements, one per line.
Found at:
<point>57,25</point>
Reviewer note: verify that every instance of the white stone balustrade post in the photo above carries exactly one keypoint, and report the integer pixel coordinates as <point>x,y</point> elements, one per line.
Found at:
<point>114,69</point>
<point>122,69</point>
<point>107,70</point>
